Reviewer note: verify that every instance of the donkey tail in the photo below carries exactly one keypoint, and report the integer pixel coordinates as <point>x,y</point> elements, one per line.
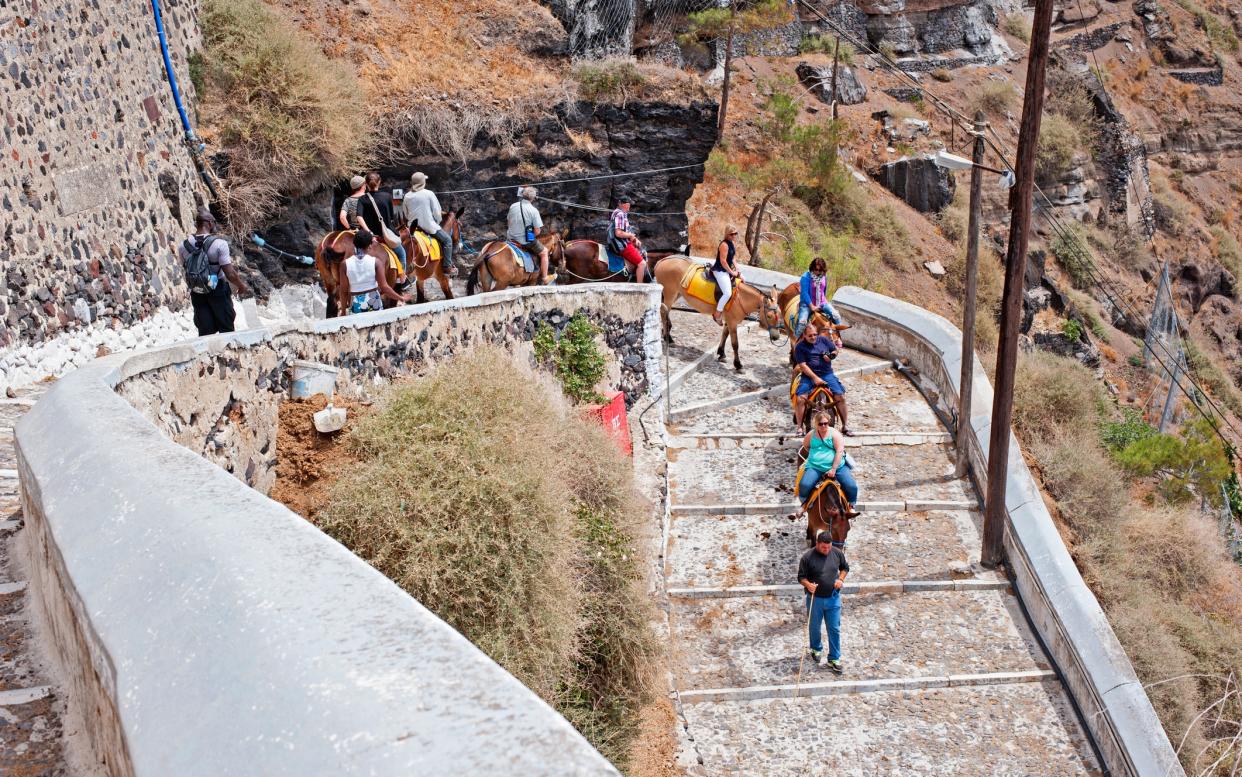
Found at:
<point>472,281</point>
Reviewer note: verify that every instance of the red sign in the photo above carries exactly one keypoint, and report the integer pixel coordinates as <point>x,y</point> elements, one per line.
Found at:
<point>611,415</point>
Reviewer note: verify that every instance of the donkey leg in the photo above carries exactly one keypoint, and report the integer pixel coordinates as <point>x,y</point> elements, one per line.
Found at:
<point>445,286</point>
<point>420,295</point>
<point>737,362</point>
<point>724,336</point>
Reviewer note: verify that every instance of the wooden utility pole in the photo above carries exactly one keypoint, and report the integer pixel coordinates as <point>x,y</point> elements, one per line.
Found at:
<point>972,288</point>
<point>1015,270</point>
<point>836,51</point>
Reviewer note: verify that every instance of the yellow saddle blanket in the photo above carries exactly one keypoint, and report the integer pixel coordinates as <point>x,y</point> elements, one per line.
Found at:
<point>427,246</point>
<point>699,283</point>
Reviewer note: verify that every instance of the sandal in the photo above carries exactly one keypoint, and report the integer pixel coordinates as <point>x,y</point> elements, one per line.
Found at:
<point>846,432</point>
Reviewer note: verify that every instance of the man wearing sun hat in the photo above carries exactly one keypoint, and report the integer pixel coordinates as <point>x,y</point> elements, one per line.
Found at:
<point>421,210</point>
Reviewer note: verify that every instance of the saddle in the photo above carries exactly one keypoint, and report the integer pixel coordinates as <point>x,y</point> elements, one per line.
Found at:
<point>427,245</point>
<point>698,282</point>
<point>525,262</point>
<point>615,262</point>
<point>824,482</point>
<point>811,397</point>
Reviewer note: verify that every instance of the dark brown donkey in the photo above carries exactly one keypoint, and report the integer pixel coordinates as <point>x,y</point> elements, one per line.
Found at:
<point>421,267</point>
<point>499,268</point>
<point>337,245</point>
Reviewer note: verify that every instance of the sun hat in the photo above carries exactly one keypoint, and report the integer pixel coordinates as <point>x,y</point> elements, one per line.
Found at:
<point>417,182</point>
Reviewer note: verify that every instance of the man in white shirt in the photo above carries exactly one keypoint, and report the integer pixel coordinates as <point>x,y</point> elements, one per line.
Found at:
<point>525,224</point>
<point>421,209</point>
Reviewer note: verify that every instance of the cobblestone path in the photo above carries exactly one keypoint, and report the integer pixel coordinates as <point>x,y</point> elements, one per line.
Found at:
<point>943,674</point>
<point>30,711</point>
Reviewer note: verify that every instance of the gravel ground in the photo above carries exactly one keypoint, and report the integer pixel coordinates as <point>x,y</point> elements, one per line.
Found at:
<point>995,731</point>
<point>758,640</point>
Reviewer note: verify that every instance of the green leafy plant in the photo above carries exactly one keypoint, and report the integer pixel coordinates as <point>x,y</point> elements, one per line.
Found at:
<point>1072,253</point>
<point>783,109</point>
<point>1116,435</point>
<point>1072,329</point>
<point>574,357</point>
<point>1189,464</point>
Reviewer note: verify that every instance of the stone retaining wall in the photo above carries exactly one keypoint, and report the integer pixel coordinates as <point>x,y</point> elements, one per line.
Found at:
<point>1065,613</point>
<point>204,629</point>
<point>95,181</point>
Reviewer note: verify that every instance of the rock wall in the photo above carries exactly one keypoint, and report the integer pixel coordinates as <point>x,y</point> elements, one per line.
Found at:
<point>580,141</point>
<point>95,182</point>
<point>223,405</point>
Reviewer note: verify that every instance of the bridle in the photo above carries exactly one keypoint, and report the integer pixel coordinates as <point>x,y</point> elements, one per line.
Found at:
<point>774,310</point>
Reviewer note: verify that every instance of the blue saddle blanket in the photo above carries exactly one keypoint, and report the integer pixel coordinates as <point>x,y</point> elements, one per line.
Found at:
<point>615,262</point>
<point>528,261</point>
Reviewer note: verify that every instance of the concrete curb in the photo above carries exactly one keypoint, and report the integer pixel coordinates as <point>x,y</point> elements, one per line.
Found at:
<point>841,687</point>
<point>861,589</point>
<point>862,439</point>
<point>685,372</point>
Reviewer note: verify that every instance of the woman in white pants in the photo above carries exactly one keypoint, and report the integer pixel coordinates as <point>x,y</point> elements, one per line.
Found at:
<point>724,270</point>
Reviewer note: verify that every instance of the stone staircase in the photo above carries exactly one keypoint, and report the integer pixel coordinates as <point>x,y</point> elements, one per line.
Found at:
<point>943,673</point>
<point>31,735</point>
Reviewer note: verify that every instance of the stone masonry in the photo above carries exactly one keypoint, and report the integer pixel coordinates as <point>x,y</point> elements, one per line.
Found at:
<point>96,183</point>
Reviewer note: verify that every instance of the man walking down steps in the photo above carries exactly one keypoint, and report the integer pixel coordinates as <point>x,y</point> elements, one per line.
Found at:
<point>822,572</point>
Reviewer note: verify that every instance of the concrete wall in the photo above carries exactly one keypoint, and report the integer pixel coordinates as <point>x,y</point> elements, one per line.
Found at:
<point>204,629</point>
<point>1064,611</point>
<point>95,182</point>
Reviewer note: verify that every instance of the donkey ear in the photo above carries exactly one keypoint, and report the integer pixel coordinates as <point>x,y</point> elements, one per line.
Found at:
<point>564,232</point>
<point>460,211</point>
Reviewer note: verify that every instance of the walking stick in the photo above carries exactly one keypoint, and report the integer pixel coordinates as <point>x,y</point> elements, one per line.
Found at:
<point>806,631</point>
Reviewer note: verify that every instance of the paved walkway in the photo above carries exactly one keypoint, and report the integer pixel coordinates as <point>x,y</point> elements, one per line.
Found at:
<point>30,713</point>
<point>943,674</point>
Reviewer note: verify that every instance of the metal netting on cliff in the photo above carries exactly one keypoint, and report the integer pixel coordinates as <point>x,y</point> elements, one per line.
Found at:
<point>1163,352</point>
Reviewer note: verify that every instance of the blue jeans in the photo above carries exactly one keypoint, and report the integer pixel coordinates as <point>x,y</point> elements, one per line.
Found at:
<point>826,610</point>
<point>446,248</point>
<point>812,476</point>
<point>399,250</point>
<point>804,315</point>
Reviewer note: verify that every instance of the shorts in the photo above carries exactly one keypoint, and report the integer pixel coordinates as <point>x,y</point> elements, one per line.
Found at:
<point>805,385</point>
<point>366,301</point>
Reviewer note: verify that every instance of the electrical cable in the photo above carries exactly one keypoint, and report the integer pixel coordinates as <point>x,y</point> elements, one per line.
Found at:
<point>574,180</point>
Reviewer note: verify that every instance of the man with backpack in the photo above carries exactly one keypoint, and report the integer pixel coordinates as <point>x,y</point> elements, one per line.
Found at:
<point>623,241</point>
<point>205,259</point>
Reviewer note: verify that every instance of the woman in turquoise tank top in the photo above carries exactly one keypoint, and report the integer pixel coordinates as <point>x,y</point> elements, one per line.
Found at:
<point>824,450</point>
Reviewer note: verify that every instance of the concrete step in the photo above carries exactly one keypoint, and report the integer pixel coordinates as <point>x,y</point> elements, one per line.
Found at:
<point>843,687</point>
<point>759,641</point>
<point>861,588</point>
<point>758,439</point>
<point>17,696</point>
<point>714,549</point>
<point>780,390</point>
<point>1010,729</point>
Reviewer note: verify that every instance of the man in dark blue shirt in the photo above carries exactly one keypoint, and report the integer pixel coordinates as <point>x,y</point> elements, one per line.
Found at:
<point>813,355</point>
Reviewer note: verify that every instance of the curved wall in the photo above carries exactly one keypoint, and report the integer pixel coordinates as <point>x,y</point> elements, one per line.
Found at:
<point>1064,611</point>
<point>205,629</point>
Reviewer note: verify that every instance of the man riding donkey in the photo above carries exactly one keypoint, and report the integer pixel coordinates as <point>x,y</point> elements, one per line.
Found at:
<point>421,210</point>
<point>525,226</point>
<point>362,210</point>
<point>624,242</point>
<point>813,357</point>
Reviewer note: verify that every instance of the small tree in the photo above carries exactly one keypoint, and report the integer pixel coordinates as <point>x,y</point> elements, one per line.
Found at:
<point>740,17</point>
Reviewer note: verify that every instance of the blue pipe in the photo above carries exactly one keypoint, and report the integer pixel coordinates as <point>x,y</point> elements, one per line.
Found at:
<point>168,68</point>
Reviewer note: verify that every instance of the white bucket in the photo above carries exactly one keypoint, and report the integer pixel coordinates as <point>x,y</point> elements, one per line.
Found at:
<point>311,378</point>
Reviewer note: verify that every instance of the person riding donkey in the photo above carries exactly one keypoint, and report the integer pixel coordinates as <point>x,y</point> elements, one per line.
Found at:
<point>724,270</point>
<point>814,296</point>
<point>525,225</point>
<point>362,211</point>
<point>813,357</point>
<point>421,210</point>
<point>623,242</point>
<point>823,454</point>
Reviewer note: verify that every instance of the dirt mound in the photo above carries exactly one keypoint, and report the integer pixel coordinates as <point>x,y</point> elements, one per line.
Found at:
<point>307,462</point>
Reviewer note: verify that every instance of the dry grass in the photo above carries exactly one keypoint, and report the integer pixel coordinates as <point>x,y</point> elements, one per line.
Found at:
<point>277,105</point>
<point>994,98</point>
<point>1060,141</point>
<point>1171,593</point>
<point>513,521</point>
<point>991,285</point>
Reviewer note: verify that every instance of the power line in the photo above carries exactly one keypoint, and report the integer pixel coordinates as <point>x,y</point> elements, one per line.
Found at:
<point>574,180</point>
<point>599,209</point>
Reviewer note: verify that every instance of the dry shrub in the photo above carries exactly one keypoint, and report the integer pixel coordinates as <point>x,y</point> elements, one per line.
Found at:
<point>988,293</point>
<point>285,114</point>
<point>1059,142</point>
<point>1017,25</point>
<point>994,98</point>
<point>513,520</point>
<point>1054,392</point>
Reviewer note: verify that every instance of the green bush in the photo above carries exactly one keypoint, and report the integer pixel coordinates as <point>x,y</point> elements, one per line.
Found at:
<point>514,520</point>
<point>613,79</point>
<point>783,109</point>
<point>1072,329</point>
<point>1072,254</point>
<point>824,44</point>
<point>282,108</point>
<point>1116,435</point>
<point>574,357</point>
<point>1227,251</point>
<point>1193,463</point>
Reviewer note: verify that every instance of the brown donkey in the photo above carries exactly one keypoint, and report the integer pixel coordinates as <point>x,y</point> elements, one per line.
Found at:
<point>670,272</point>
<point>420,265</point>
<point>499,268</point>
<point>337,245</point>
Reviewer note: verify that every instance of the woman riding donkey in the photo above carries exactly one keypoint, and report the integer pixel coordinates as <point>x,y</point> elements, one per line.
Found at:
<point>724,270</point>
<point>823,455</point>
<point>813,296</point>
<point>813,357</point>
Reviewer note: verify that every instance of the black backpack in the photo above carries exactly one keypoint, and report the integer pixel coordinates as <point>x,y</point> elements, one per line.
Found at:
<point>197,266</point>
